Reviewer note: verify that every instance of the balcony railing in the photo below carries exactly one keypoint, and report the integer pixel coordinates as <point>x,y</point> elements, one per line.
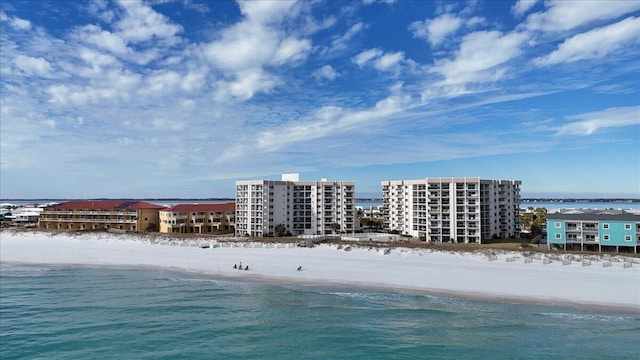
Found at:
<point>89,212</point>
<point>79,220</point>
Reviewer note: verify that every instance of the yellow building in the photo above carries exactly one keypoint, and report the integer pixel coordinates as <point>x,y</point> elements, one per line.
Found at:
<point>124,215</point>
<point>197,218</point>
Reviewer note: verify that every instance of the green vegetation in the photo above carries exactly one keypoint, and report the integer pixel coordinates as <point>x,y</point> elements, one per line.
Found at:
<point>534,220</point>
<point>375,223</point>
<point>280,230</point>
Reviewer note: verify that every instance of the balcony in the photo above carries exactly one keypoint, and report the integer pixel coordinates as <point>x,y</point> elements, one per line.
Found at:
<point>81,220</point>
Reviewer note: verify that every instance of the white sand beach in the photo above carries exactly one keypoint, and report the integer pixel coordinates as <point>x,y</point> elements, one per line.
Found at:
<point>609,281</point>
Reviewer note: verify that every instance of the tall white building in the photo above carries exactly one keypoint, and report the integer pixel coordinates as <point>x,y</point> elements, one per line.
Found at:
<point>303,207</point>
<point>459,210</point>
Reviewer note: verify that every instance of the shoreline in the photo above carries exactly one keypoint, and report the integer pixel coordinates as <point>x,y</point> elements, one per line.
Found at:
<point>419,272</point>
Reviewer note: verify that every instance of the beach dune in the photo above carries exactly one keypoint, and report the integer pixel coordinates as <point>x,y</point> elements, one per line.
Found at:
<point>505,276</point>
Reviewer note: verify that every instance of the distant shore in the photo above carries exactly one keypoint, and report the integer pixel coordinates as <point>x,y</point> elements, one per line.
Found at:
<point>359,199</point>
<point>606,282</point>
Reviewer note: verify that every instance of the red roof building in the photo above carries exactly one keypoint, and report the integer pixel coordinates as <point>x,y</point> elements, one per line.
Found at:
<point>119,215</point>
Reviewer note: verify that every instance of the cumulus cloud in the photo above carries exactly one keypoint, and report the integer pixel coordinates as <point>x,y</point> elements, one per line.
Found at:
<point>384,62</point>
<point>565,15</point>
<point>33,66</point>
<point>588,123</point>
<point>326,72</point>
<point>594,44</point>
<point>479,56</point>
<point>20,24</point>
<point>268,11</point>
<point>142,23</point>
<point>436,30</point>
<point>522,6</point>
<point>389,61</point>
<point>244,50</point>
<point>291,49</point>
<point>364,57</point>
<point>245,85</point>
<point>105,40</point>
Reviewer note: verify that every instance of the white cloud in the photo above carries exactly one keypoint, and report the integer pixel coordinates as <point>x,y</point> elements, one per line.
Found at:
<point>245,45</point>
<point>291,50</point>
<point>15,22</point>
<point>594,44</point>
<point>194,80</point>
<point>99,9</point>
<point>267,11</point>
<point>389,62</point>
<point>364,57</point>
<point>243,51</point>
<point>333,120</point>
<point>589,123</point>
<point>565,15</point>
<point>246,84</point>
<point>96,58</point>
<point>436,30</point>
<point>474,21</point>
<point>33,66</point>
<point>102,39</point>
<point>522,6</point>
<point>478,57</point>
<point>143,23</point>
<point>161,83</point>
<point>342,42</point>
<point>20,24</point>
<point>325,72</point>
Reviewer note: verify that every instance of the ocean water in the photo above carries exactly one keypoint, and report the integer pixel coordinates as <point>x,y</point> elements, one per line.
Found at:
<point>64,312</point>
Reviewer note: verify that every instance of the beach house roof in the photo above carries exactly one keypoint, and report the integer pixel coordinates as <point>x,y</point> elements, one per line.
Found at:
<point>106,205</point>
<point>589,214</point>
<point>202,207</point>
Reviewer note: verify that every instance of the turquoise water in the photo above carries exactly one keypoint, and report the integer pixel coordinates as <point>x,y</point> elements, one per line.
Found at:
<point>51,312</point>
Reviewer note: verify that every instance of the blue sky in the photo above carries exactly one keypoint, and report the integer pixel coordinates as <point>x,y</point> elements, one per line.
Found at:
<point>182,98</point>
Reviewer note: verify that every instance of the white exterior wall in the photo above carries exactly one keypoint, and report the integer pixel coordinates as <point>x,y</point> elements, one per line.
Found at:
<point>452,209</point>
<point>303,207</point>
<point>501,201</point>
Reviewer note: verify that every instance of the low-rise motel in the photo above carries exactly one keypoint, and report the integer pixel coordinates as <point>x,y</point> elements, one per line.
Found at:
<point>198,218</point>
<point>601,230</point>
<point>124,215</point>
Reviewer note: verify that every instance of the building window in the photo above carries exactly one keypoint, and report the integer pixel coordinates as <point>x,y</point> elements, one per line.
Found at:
<point>627,238</point>
<point>558,236</point>
<point>627,226</point>
<point>557,225</point>
<point>605,226</point>
<point>605,237</point>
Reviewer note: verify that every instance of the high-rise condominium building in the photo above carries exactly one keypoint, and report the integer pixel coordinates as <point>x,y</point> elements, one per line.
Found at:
<point>459,210</point>
<point>290,206</point>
